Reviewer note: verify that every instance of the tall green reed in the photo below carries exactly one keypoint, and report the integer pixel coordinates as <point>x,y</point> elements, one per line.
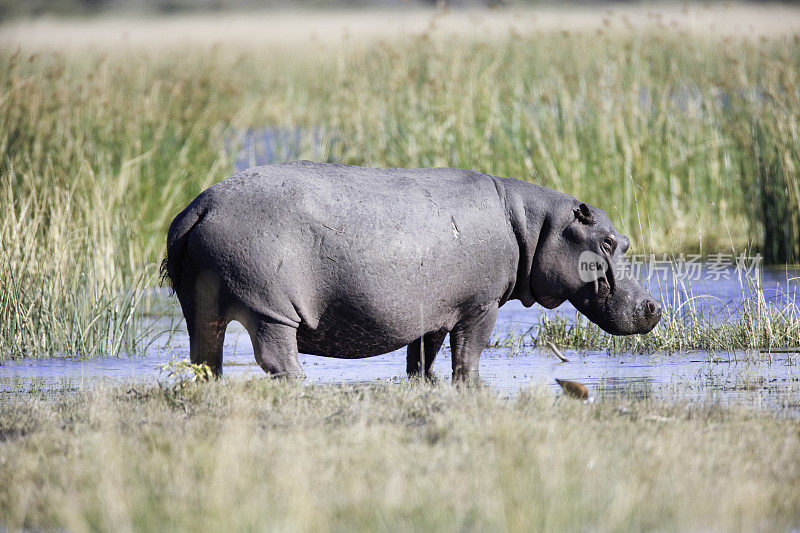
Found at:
<point>689,144</point>
<point>92,154</point>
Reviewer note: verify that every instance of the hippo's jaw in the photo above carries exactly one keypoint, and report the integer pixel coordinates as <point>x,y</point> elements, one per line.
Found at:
<point>627,310</point>
<point>549,302</point>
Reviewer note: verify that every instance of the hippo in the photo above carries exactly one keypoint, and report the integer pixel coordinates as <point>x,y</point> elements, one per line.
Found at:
<point>351,262</point>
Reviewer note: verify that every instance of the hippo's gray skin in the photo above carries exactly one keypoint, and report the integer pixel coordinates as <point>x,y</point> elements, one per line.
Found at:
<point>352,262</point>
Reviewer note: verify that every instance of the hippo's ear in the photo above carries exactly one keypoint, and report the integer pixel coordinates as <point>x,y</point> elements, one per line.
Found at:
<point>584,215</point>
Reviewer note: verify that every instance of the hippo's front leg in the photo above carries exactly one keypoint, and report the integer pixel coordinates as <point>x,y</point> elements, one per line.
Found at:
<point>275,347</point>
<point>468,339</point>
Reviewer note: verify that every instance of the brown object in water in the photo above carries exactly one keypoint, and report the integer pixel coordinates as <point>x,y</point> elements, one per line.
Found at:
<point>574,389</point>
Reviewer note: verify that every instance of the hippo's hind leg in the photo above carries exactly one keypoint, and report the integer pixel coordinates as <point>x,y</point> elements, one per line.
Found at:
<point>467,340</point>
<point>275,347</point>
<point>205,343</point>
<point>418,359</point>
<point>205,321</point>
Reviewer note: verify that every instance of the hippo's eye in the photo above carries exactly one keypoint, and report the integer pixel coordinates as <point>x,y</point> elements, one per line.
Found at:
<point>610,244</point>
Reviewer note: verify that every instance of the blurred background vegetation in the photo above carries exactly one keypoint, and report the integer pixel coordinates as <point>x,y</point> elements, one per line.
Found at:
<point>33,8</point>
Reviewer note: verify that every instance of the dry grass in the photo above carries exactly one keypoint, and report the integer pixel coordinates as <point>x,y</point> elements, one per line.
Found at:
<point>266,455</point>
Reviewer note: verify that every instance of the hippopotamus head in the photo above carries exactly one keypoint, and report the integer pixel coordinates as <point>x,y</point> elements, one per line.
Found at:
<point>580,257</point>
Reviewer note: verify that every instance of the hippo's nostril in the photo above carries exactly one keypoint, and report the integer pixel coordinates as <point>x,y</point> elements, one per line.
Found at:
<point>652,310</point>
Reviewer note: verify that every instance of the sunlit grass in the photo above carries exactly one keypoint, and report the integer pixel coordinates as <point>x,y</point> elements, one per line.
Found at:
<point>270,455</point>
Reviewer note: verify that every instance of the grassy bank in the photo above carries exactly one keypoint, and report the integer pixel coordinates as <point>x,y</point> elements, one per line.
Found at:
<point>688,142</point>
<point>264,454</point>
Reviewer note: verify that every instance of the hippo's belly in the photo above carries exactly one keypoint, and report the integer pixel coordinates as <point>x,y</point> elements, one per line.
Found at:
<point>356,331</point>
<point>349,339</point>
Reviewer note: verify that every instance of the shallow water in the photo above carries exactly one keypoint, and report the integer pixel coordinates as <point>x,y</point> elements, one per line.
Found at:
<point>719,288</point>
<point>742,378</point>
<point>770,381</point>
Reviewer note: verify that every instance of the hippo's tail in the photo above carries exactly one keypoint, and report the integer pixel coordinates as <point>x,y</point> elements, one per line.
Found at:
<point>177,242</point>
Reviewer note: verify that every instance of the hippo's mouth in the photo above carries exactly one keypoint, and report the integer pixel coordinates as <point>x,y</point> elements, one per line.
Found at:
<point>627,310</point>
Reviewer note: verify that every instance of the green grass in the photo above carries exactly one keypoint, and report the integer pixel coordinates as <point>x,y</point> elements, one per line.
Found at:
<point>268,455</point>
<point>690,145</point>
<point>690,324</point>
